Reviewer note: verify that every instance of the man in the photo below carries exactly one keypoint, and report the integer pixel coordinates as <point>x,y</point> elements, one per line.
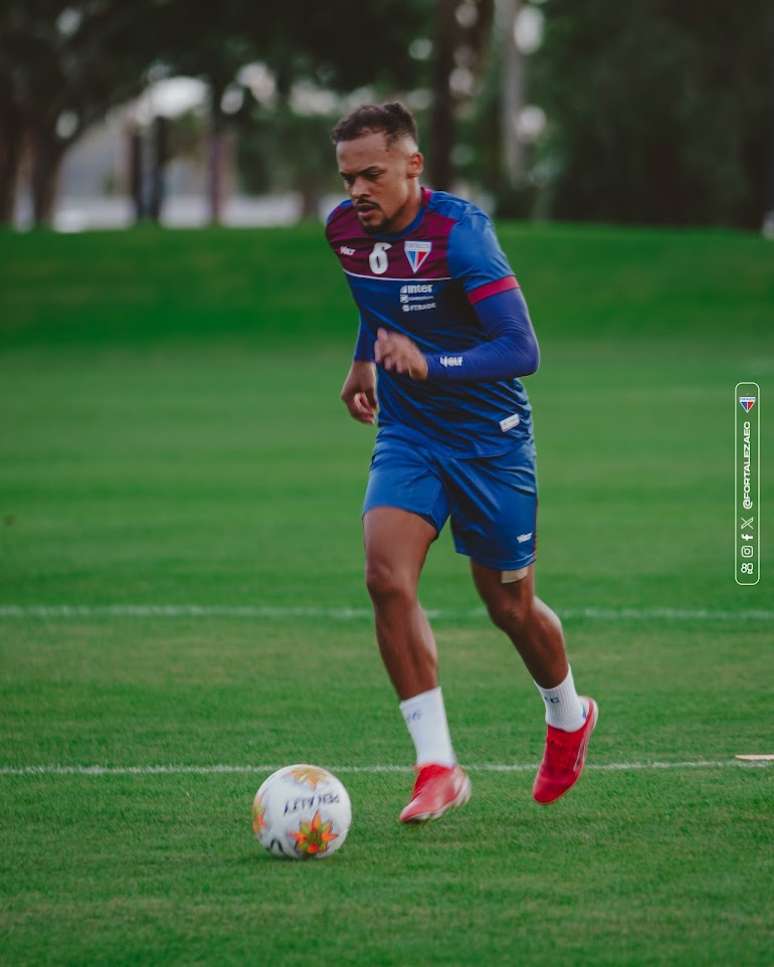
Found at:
<point>444,325</point>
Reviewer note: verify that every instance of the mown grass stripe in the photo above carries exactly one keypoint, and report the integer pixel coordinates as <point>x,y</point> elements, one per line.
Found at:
<point>351,614</point>
<point>223,768</point>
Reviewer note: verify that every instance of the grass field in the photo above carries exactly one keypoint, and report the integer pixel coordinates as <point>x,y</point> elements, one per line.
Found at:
<point>171,435</point>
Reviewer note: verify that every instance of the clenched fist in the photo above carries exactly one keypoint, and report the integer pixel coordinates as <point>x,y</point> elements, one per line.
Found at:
<point>397,352</point>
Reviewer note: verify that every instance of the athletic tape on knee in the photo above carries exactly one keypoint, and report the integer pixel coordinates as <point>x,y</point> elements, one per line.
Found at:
<point>509,577</point>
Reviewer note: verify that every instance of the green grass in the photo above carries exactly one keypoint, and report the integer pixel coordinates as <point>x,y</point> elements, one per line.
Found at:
<point>170,433</point>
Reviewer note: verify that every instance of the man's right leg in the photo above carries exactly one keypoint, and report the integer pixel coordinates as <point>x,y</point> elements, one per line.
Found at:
<point>396,545</point>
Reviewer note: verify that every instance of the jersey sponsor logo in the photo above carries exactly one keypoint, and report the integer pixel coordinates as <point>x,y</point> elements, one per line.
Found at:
<point>416,253</point>
<point>747,402</point>
<point>345,250</point>
<point>416,296</point>
<point>450,361</point>
<point>521,538</point>
<point>378,259</point>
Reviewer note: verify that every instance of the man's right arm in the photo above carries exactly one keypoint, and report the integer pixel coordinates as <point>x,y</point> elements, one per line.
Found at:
<point>359,390</point>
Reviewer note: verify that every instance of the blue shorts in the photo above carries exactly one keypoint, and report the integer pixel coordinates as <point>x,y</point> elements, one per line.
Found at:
<point>492,501</point>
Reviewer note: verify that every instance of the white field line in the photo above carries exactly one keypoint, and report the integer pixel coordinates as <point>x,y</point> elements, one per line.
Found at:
<point>352,614</point>
<point>180,770</point>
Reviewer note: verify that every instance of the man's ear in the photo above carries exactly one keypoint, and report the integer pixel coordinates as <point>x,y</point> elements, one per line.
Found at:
<point>416,165</point>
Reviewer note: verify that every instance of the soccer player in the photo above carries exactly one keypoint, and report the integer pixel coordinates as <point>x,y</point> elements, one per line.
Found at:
<point>445,331</point>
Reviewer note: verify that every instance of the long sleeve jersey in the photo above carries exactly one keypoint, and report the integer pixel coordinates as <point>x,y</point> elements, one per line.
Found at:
<point>445,283</point>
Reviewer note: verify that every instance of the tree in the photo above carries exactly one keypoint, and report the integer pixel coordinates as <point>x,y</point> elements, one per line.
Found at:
<point>295,40</point>
<point>65,64</point>
<point>658,111</point>
<point>461,33</point>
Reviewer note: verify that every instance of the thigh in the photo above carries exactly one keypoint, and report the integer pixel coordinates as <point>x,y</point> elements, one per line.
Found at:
<point>406,478</point>
<point>396,544</point>
<point>493,505</point>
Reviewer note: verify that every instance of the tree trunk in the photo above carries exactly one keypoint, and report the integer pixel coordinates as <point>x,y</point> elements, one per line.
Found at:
<point>47,153</point>
<point>512,95</point>
<point>442,118</point>
<point>159,159</point>
<point>216,154</point>
<point>136,171</point>
<point>11,142</point>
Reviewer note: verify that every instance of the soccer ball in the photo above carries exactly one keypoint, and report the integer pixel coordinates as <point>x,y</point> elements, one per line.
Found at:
<point>302,812</point>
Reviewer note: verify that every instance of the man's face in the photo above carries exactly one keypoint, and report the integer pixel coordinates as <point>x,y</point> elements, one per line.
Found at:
<point>379,178</point>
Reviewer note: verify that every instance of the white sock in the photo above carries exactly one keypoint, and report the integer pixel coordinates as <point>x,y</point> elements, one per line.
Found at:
<point>564,709</point>
<point>425,719</point>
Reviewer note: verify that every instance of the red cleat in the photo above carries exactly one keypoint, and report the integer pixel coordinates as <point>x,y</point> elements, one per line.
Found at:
<point>436,790</point>
<point>564,758</point>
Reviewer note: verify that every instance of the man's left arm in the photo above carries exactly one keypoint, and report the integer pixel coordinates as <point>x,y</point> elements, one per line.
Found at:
<point>510,349</point>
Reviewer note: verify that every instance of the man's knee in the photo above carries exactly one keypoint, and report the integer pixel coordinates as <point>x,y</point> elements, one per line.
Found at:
<point>386,582</point>
<point>510,612</point>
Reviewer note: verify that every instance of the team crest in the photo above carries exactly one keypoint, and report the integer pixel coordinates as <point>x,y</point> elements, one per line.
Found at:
<point>746,402</point>
<point>416,253</point>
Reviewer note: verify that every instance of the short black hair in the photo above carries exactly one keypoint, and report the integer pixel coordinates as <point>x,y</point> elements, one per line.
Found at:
<point>395,120</point>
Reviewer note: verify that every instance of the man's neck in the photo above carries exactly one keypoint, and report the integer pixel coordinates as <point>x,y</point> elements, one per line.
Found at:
<point>407,213</point>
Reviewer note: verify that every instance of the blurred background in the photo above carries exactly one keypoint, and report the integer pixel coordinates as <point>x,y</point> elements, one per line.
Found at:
<point>112,113</point>
<point>181,574</point>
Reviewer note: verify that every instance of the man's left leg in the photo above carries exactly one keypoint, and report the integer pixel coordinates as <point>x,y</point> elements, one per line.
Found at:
<point>536,631</point>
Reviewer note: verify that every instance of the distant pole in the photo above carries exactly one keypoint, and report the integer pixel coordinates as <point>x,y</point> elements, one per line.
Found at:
<point>512,93</point>
<point>158,161</point>
<point>136,180</point>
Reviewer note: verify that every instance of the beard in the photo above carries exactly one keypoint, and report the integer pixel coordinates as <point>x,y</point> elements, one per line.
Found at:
<point>377,223</point>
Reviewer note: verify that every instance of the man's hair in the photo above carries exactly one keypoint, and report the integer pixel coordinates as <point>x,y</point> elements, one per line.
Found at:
<point>395,120</point>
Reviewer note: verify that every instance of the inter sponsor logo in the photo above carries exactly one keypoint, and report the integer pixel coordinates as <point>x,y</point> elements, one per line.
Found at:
<point>416,296</point>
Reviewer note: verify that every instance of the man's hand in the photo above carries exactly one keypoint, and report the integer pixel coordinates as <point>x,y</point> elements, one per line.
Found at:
<point>359,392</point>
<point>398,352</point>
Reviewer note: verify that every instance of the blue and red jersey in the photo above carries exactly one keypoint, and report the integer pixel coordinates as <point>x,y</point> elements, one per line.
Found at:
<point>436,282</point>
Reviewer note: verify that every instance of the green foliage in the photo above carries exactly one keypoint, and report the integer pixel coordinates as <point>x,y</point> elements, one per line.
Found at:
<point>282,150</point>
<point>660,112</point>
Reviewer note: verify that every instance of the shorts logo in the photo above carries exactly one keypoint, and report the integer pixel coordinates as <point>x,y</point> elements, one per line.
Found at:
<point>747,403</point>
<point>416,253</point>
<point>521,538</point>
<point>345,250</point>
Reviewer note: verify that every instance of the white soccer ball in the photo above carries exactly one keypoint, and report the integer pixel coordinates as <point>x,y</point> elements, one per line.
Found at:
<point>302,812</point>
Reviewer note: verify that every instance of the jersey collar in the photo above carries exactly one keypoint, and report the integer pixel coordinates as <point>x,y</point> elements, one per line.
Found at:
<point>397,236</point>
